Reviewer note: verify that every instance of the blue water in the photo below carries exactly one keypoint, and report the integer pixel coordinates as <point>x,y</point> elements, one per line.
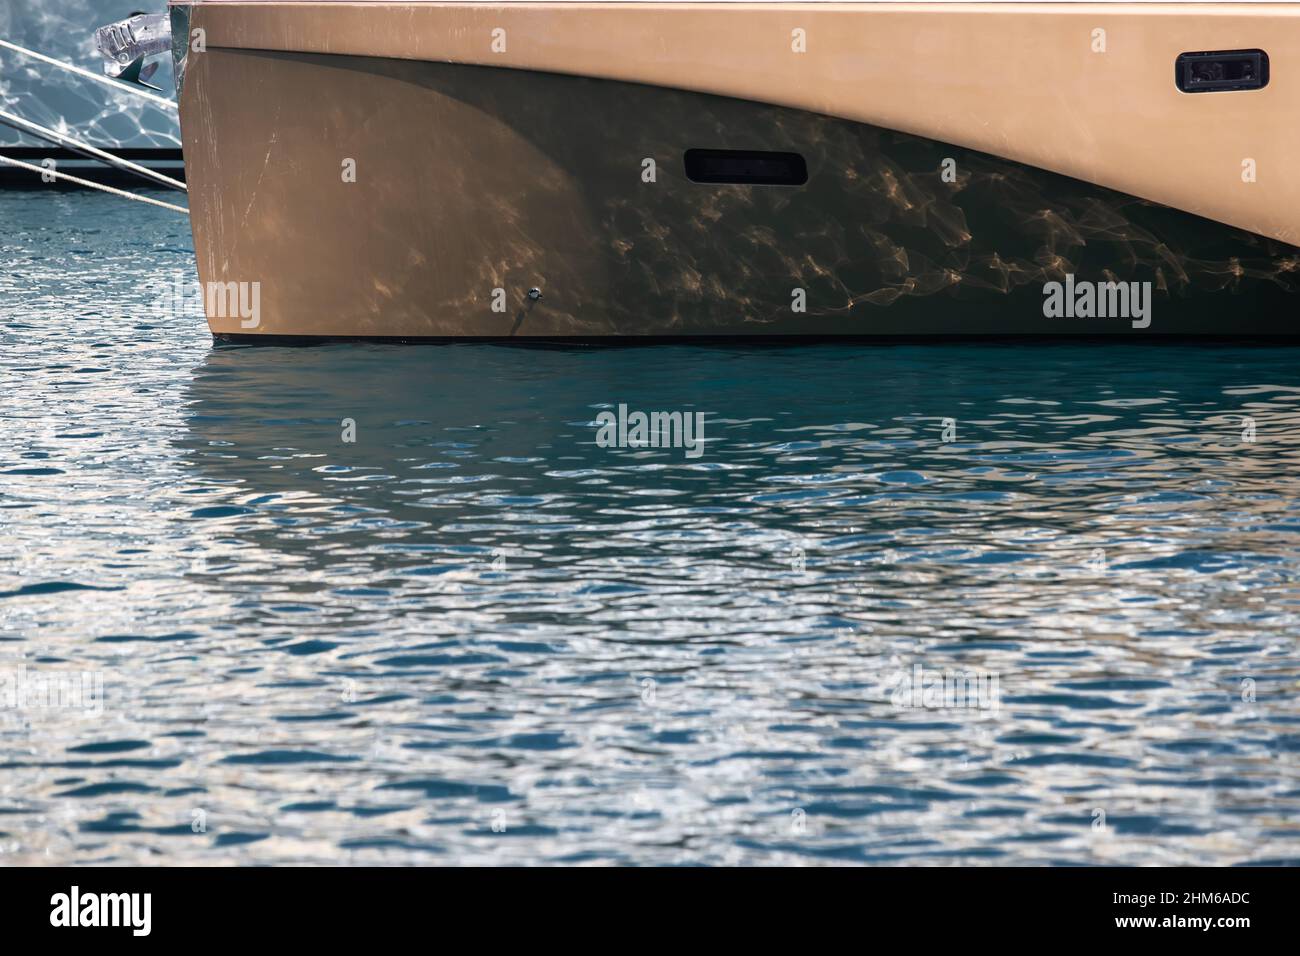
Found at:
<point>474,635</point>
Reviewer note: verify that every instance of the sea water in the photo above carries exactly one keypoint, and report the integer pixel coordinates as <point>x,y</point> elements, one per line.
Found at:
<point>1004,603</point>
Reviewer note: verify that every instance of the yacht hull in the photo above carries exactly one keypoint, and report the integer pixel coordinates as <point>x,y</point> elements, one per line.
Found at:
<point>432,194</point>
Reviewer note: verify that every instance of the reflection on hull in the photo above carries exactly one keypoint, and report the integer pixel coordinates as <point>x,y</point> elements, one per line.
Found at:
<point>471,188</point>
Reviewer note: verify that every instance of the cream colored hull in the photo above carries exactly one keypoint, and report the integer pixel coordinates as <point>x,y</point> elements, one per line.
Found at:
<point>379,171</point>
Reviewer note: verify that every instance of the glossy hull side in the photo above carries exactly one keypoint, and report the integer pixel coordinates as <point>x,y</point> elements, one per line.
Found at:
<point>474,185</point>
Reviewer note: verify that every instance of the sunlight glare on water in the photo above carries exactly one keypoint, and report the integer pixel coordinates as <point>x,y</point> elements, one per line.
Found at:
<point>474,635</point>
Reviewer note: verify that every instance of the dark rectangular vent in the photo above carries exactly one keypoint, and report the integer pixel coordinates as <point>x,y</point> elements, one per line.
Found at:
<point>745,167</point>
<point>1221,72</point>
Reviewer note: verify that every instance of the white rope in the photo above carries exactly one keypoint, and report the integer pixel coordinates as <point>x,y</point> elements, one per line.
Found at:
<point>62,139</point>
<point>86,182</point>
<point>160,100</point>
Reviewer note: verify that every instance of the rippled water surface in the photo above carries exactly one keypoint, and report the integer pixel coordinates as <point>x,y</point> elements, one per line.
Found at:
<point>474,635</point>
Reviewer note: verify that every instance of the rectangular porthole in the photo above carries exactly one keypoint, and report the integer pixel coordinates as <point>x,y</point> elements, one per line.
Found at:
<point>1221,72</point>
<point>745,167</point>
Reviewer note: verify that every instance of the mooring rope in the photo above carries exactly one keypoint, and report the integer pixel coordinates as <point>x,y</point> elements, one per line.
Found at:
<point>160,100</point>
<point>86,182</point>
<point>63,139</point>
